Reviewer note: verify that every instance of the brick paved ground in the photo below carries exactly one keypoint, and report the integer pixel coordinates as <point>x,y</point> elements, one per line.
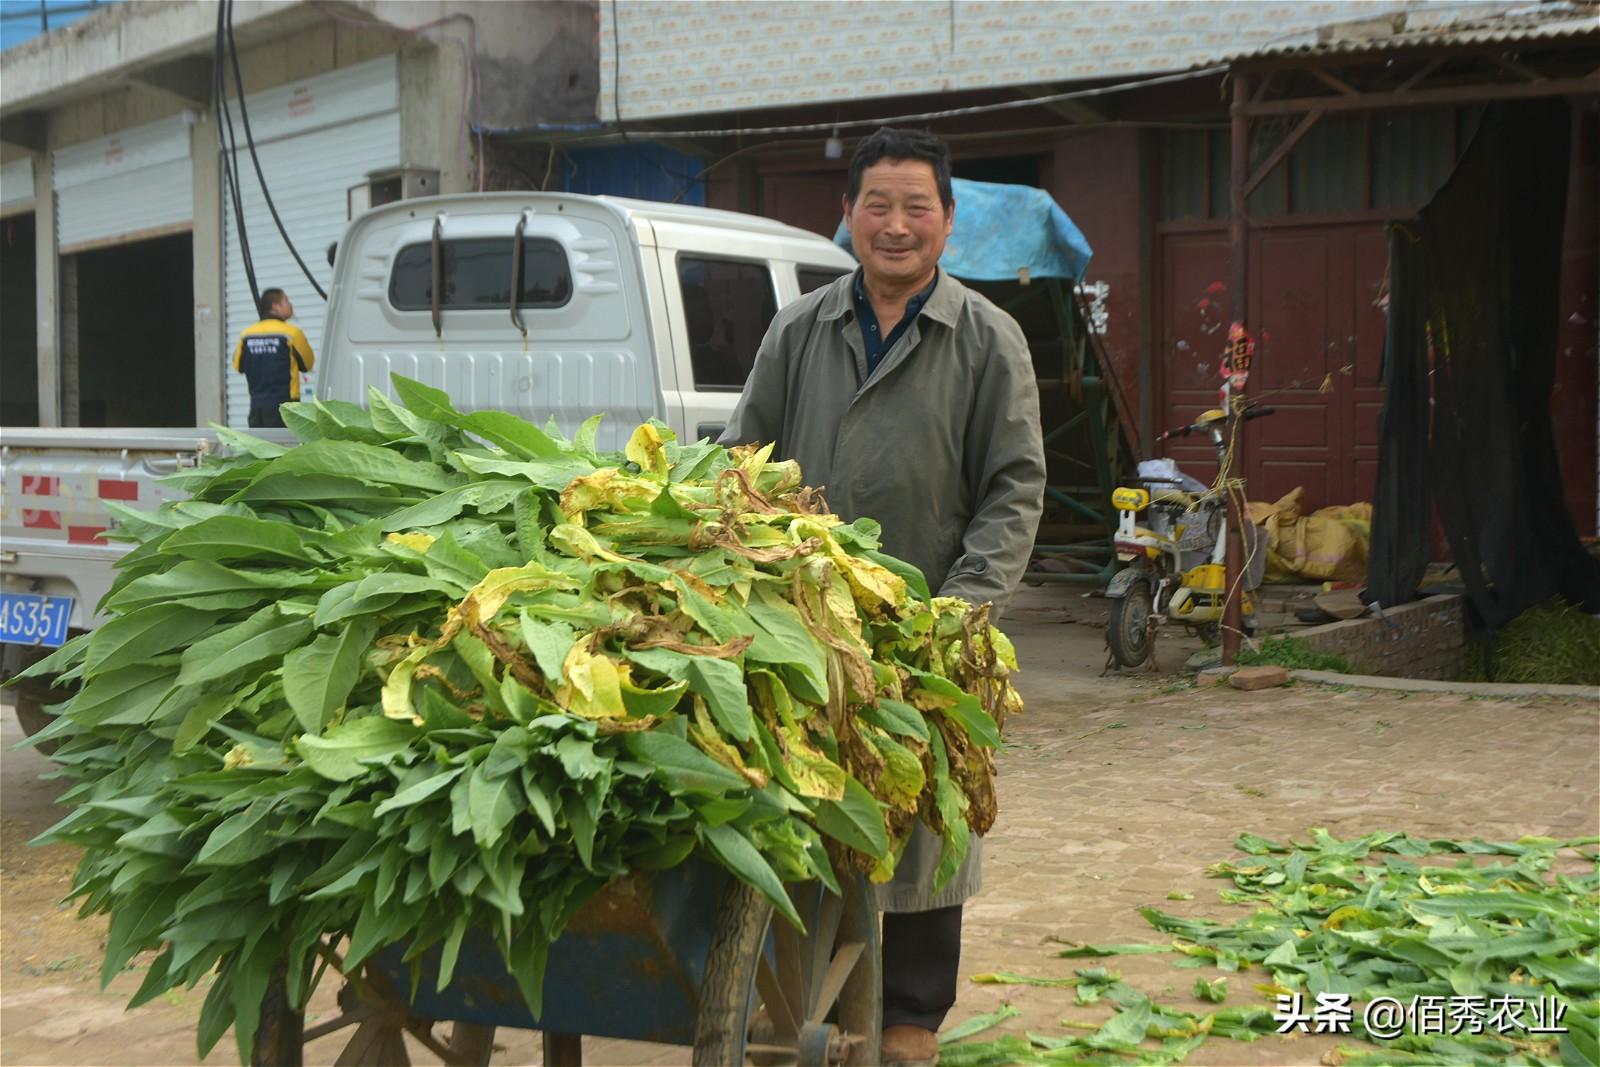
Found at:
<point>1113,793</point>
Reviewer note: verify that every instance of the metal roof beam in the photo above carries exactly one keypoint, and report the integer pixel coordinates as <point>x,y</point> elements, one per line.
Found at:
<point>1281,153</point>
<point>1455,94</point>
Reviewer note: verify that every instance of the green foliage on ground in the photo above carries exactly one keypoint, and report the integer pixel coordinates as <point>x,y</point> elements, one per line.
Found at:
<point>1552,643</point>
<point>1295,655</point>
<point>1358,919</point>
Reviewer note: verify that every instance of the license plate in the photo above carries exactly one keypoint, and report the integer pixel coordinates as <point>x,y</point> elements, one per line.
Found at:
<point>31,619</point>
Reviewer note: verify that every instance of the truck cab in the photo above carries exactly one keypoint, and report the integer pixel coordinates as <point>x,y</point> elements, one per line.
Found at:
<point>630,308</point>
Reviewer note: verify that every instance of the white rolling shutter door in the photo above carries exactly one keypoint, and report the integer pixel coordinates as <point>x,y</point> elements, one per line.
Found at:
<point>315,139</point>
<point>131,184</point>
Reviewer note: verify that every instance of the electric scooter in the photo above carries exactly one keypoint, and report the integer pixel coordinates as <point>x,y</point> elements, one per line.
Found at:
<point>1174,562</point>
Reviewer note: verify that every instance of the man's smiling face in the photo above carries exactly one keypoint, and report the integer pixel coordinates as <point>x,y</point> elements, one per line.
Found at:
<point>898,225</point>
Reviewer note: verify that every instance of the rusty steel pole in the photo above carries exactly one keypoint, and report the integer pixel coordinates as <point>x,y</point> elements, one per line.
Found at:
<point>1238,261</point>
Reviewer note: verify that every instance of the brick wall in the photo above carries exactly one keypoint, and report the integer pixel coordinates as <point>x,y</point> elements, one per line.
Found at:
<point>1425,639</point>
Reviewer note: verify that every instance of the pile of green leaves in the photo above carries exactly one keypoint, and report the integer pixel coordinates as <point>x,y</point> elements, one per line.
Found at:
<point>1360,917</point>
<point>431,671</point>
<point>1293,654</point>
<point>1553,643</point>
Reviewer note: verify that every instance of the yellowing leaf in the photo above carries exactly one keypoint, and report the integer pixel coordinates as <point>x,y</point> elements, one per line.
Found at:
<point>397,688</point>
<point>647,448</point>
<point>497,586</point>
<point>703,732</point>
<point>576,541</point>
<point>417,542</point>
<point>609,489</point>
<point>594,683</point>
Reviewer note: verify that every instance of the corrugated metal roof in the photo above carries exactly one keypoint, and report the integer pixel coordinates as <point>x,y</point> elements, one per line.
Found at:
<point>1451,26</point>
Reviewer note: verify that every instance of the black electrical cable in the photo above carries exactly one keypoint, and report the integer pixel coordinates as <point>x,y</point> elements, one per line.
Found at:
<point>250,142</point>
<point>616,74</point>
<point>229,154</point>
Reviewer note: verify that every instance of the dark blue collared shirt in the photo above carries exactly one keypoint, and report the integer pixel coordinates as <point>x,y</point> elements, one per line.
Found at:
<point>872,336</point>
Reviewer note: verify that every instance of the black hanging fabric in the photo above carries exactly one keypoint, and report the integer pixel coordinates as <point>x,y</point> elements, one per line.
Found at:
<point>1474,290</point>
<point>1402,503</point>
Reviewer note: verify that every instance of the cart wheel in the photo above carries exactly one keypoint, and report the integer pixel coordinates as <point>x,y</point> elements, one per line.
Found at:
<point>812,999</point>
<point>1128,631</point>
<point>380,1023</point>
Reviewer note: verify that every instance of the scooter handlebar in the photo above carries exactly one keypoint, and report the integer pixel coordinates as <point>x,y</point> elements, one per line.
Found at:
<point>1185,431</point>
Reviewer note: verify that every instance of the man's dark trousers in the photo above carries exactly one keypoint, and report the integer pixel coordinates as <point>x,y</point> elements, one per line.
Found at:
<point>921,966</point>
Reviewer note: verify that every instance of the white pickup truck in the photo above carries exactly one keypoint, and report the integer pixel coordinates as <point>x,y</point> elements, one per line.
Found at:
<point>631,308</point>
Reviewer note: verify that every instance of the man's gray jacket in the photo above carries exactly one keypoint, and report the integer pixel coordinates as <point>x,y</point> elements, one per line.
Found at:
<point>941,445</point>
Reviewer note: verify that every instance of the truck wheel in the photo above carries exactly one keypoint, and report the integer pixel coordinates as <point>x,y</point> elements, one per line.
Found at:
<point>31,713</point>
<point>1128,632</point>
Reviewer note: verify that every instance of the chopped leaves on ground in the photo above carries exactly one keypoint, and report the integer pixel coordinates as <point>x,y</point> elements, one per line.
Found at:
<point>1292,653</point>
<point>1365,918</point>
<point>1553,643</point>
<point>430,671</point>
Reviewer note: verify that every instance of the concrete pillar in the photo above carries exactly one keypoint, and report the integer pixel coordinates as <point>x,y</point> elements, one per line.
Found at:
<point>433,77</point>
<point>45,283</point>
<point>210,346</point>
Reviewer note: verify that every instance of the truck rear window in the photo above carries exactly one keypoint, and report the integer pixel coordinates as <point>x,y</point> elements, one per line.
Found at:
<point>727,306</point>
<point>477,274</point>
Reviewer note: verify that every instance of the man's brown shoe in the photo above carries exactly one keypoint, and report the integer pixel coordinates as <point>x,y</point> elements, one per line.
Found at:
<point>909,1046</point>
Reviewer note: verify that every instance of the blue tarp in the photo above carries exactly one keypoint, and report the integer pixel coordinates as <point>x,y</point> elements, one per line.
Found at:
<point>1003,228</point>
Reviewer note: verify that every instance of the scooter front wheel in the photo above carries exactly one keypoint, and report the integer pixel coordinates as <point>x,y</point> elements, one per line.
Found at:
<point>1129,629</point>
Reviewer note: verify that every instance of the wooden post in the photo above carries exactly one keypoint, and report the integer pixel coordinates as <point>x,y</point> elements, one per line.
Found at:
<point>1238,257</point>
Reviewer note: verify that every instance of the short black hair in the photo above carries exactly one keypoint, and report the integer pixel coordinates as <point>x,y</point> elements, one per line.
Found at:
<point>899,145</point>
<point>269,300</point>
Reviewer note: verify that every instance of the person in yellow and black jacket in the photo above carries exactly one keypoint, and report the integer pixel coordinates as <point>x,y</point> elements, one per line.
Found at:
<point>272,355</point>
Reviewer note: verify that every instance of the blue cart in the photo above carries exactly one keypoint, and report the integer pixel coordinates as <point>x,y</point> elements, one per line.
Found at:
<point>688,956</point>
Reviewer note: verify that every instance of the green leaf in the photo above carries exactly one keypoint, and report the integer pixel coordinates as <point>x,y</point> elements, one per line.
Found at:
<point>372,464</point>
<point>857,820</point>
<point>1125,1030</point>
<point>491,805</point>
<point>681,766</point>
<point>781,637</point>
<point>1092,951</point>
<point>143,634</point>
<point>237,537</point>
<point>417,793</point>
<point>233,841</point>
<point>129,696</point>
<point>549,642</point>
<point>317,678</point>
<point>744,860</point>
<point>977,1025</point>
<point>1216,992</point>
<point>194,581</point>
<point>897,718</point>
<point>264,635</point>
<point>202,715</point>
<point>342,752</point>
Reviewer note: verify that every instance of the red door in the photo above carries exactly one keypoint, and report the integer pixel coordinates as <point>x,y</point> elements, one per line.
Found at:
<point>1319,355</point>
